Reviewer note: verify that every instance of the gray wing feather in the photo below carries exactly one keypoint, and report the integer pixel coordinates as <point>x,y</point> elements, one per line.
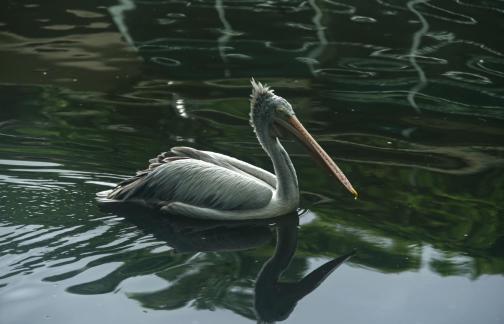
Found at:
<point>196,178</point>
<point>227,162</point>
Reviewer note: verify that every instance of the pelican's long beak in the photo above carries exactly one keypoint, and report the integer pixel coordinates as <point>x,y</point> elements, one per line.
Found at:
<point>294,126</point>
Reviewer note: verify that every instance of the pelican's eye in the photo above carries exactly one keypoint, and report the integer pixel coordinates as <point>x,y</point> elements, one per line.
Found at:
<point>282,110</point>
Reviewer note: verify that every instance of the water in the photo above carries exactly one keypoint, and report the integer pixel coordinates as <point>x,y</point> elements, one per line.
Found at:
<point>407,96</point>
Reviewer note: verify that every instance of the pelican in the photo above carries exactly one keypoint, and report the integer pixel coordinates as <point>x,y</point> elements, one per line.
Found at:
<point>209,185</point>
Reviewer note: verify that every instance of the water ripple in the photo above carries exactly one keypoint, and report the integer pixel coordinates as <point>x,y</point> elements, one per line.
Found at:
<point>495,5</point>
<point>340,7</point>
<point>339,73</point>
<point>165,61</point>
<point>467,77</point>
<point>488,64</point>
<point>374,64</point>
<point>362,19</point>
<point>431,10</point>
<point>282,47</point>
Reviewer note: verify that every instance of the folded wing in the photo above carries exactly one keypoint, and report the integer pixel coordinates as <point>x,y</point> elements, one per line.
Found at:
<point>198,178</point>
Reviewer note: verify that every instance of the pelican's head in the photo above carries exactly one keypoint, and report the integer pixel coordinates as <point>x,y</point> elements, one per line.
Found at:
<point>269,114</point>
<point>266,107</point>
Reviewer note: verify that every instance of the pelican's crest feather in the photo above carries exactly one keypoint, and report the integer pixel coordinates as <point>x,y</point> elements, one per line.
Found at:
<point>258,90</point>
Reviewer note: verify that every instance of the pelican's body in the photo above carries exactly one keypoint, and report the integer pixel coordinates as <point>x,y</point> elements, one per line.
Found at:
<point>210,185</point>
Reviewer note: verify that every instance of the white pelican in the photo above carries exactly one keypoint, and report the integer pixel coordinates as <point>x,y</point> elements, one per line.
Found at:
<point>208,185</point>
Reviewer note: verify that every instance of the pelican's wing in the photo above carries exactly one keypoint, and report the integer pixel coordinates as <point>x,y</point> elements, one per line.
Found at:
<point>227,162</point>
<point>205,181</point>
<point>181,152</point>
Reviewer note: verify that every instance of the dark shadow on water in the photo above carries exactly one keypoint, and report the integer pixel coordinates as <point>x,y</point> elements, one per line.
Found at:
<point>274,298</point>
<point>192,235</point>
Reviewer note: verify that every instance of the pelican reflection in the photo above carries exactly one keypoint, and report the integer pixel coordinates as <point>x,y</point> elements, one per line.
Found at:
<point>276,299</point>
<point>204,283</point>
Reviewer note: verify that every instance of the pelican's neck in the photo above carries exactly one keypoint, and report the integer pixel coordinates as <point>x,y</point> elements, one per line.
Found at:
<point>287,189</point>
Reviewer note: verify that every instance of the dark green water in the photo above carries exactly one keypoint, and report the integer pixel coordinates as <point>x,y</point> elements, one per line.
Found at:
<point>407,96</point>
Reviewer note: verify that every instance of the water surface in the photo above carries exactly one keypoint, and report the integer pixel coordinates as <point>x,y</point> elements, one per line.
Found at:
<point>407,97</point>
